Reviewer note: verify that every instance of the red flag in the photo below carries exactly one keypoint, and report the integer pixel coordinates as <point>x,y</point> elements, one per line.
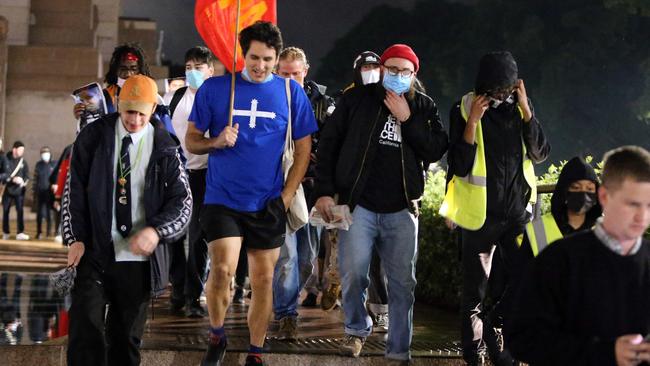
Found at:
<point>215,22</point>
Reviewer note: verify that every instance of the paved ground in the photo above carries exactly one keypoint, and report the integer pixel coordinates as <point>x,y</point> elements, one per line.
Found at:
<point>435,330</point>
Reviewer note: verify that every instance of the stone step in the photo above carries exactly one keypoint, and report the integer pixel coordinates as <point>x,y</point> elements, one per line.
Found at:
<point>47,68</point>
<point>60,36</point>
<point>54,355</point>
<point>59,5</point>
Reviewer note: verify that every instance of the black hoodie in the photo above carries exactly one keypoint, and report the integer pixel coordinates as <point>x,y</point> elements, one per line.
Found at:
<point>574,170</point>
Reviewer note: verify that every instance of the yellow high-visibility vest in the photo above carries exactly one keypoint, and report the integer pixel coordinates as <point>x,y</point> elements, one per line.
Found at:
<point>465,202</point>
<point>542,232</point>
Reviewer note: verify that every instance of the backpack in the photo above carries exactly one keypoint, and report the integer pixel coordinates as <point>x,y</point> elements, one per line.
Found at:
<point>178,95</point>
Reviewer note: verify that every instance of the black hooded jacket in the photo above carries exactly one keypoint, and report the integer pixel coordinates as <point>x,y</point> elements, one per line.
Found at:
<point>503,132</point>
<point>574,170</point>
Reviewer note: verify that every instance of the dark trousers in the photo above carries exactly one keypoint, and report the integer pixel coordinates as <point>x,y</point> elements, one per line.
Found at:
<point>177,270</point>
<point>7,200</point>
<point>197,258</point>
<point>44,204</point>
<point>10,306</point>
<point>480,295</point>
<point>377,290</point>
<point>112,338</point>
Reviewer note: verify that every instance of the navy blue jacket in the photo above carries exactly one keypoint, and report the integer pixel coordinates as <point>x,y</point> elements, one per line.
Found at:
<point>87,202</point>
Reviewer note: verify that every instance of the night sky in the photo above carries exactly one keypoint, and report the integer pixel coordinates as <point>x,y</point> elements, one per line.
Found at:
<point>308,24</point>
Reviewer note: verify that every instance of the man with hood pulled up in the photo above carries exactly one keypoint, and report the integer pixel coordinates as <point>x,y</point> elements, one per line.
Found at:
<point>495,139</point>
<point>574,207</point>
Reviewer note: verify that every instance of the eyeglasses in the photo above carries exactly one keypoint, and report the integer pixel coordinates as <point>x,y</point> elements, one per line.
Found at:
<point>394,71</point>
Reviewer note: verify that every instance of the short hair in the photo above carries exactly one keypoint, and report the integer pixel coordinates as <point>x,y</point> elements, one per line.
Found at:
<point>261,31</point>
<point>294,54</point>
<point>626,162</point>
<point>116,59</point>
<point>18,144</point>
<point>200,54</point>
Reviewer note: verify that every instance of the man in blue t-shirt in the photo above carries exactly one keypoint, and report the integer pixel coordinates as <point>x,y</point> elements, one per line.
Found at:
<point>246,194</point>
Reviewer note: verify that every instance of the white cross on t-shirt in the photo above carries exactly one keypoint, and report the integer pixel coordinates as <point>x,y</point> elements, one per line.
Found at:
<point>253,113</point>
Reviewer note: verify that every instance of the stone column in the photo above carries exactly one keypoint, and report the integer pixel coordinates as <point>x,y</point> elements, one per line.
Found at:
<point>4,28</point>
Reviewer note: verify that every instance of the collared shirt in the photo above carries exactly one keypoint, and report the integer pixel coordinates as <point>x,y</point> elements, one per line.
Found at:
<point>137,179</point>
<point>611,243</point>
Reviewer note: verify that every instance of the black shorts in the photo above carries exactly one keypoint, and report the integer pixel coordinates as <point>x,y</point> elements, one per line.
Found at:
<point>264,229</point>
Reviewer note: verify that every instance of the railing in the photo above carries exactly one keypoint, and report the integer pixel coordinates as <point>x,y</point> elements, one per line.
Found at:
<point>541,189</point>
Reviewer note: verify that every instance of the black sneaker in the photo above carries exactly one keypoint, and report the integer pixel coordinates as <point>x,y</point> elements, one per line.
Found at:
<point>176,307</point>
<point>238,297</point>
<point>310,300</point>
<point>254,360</point>
<point>195,310</point>
<point>216,351</point>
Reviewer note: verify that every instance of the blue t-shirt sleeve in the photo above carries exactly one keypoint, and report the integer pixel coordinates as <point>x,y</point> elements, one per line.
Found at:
<point>303,121</point>
<point>201,114</point>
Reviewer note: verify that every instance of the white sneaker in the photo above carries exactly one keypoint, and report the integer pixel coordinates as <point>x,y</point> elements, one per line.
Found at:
<point>58,239</point>
<point>5,236</point>
<point>22,236</point>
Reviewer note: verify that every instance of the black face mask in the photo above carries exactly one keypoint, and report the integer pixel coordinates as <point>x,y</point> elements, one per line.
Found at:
<point>580,202</point>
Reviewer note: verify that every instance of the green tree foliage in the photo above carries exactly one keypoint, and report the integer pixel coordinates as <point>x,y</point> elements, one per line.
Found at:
<point>438,266</point>
<point>586,63</point>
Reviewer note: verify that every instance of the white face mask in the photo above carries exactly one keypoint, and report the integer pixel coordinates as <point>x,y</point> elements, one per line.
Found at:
<point>120,82</point>
<point>46,157</point>
<point>370,76</point>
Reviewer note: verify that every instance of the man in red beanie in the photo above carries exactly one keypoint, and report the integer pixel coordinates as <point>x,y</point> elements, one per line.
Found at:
<point>373,153</point>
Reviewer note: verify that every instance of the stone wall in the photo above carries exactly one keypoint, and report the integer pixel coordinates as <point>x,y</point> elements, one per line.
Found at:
<point>18,15</point>
<point>4,25</point>
<point>108,13</point>
<point>63,23</point>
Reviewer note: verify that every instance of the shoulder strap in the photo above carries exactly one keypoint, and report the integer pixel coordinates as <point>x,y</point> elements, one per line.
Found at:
<point>18,166</point>
<point>289,140</point>
<point>178,95</point>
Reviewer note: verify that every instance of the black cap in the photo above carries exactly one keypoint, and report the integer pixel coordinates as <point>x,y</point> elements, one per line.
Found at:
<point>18,144</point>
<point>365,58</point>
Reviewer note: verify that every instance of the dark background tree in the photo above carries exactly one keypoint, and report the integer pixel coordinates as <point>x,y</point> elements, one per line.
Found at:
<point>586,63</point>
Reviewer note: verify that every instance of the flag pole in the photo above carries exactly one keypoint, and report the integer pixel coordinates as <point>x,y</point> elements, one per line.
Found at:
<point>234,67</point>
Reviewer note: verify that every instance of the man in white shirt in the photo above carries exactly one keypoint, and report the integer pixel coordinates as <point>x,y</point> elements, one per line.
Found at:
<point>199,66</point>
<point>125,198</point>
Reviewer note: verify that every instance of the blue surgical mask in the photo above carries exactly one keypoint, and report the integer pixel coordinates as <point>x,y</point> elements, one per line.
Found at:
<point>194,78</point>
<point>397,83</point>
<point>247,77</point>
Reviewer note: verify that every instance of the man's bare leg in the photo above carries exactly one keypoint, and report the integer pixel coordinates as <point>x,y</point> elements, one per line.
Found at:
<point>224,254</point>
<point>261,263</point>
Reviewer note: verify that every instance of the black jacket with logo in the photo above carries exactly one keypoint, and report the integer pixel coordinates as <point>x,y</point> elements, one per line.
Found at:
<point>87,203</point>
<point>351,137</point>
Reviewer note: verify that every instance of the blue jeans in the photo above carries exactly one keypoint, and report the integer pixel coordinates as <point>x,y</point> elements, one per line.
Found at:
<point>293,269</point>
<point>394,236</point>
